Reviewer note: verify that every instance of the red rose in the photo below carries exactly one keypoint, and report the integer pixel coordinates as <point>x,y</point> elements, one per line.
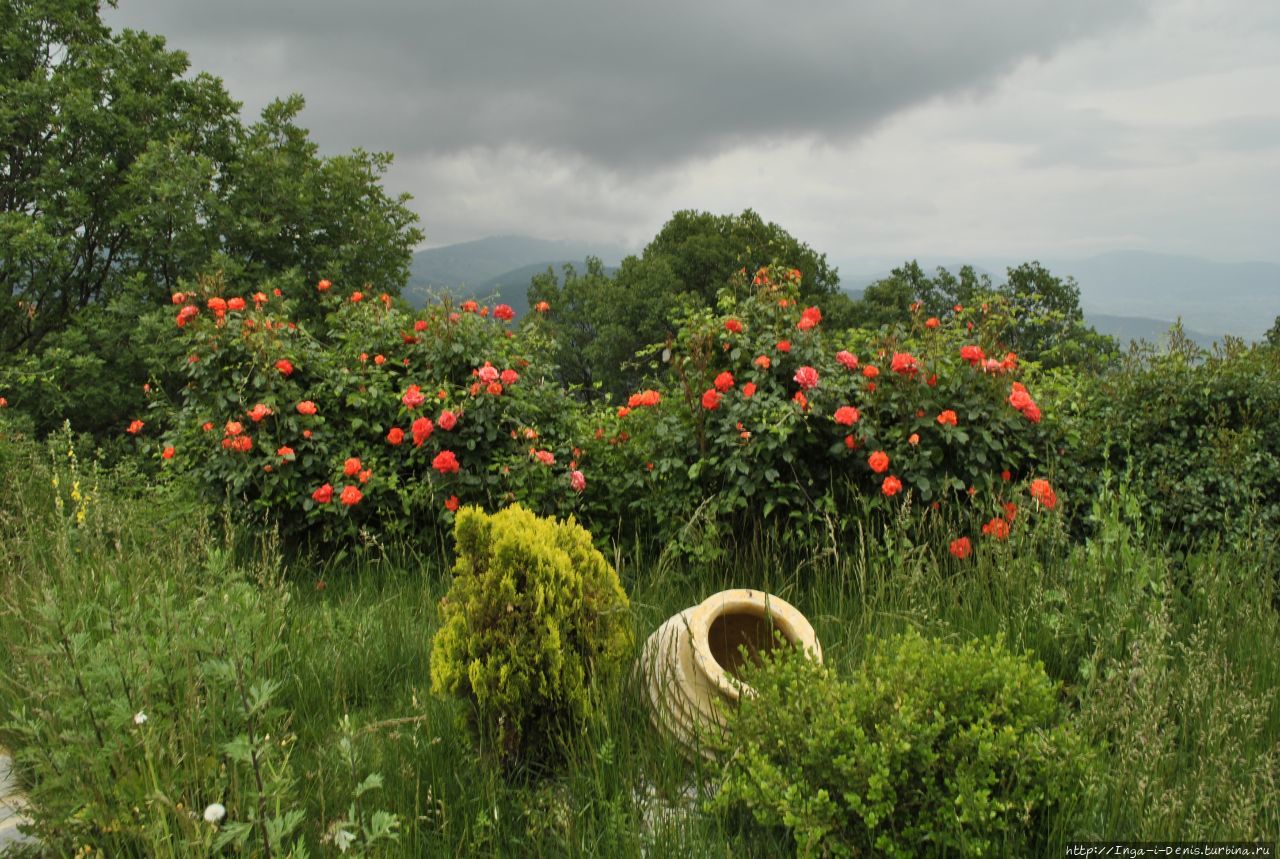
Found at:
<point>504,312</point>
<point>733,326</point>
<point>395,436</point>
<point>577,481</point>
<point>285,366</point>
<point>891,486</point>
<point>236,304</point>
<point>167,453</point>
<point>233,428</point>
<point>870,371</point>
<point>783,346</point>
<point>1042,492</point>
<point>470,306</point>
<point>323,286</point>
<point>711,399</point>
<point>879,461</point>
<point>809,318</point>
<point>542,307</point>
<point>421,429</point>
<point>445,462</point>
<point>847,360</point>
<point>452,504</point>
<point>807,378</point>
<point>904,364</point>
<point>306,407</point>
<point>258,412</point>
<point>932,322</point>
<point>947,417</point>
<point>973,354</point>
<point>749,390</point>
<point>135,427</point>
<point>323,495</point>
<point>284,452</point>
<point>356,298</point>
<point>413,398</point>
<point>350,496</point>
<point>847,416</point>
<point>351,466</point>
<point>763,362</point>
<point>420,325</point>
<point>997,528</point>
<point>510,377</point>
<point>724,381</point>
<point>448,420</point>
<point>961,548</point>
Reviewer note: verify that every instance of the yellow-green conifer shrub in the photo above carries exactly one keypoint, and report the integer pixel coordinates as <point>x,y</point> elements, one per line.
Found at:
<point>534,624</point>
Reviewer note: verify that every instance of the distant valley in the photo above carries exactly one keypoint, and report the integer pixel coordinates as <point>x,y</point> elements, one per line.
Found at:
<point>1128,294</point>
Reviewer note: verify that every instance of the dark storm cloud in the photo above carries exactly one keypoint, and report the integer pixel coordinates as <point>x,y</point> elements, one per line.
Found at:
<point>622,85</point>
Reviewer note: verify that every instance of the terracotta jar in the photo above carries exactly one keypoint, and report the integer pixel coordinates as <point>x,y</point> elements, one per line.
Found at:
<point>690,665</point>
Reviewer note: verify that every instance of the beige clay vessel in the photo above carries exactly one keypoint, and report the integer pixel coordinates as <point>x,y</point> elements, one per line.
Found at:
<point>689,666</point>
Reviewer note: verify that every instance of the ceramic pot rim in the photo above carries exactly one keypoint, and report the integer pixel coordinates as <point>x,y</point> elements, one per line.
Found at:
<point>793,625</point>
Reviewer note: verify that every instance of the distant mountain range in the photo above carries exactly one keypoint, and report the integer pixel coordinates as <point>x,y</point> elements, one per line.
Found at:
<point>1128,294</point>
<point>497,269</point>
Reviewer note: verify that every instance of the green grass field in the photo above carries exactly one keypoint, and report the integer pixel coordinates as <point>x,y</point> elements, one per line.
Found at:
<point>277,684</point>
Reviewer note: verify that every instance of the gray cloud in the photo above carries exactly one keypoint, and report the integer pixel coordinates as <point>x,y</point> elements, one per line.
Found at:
<point>623,86</point>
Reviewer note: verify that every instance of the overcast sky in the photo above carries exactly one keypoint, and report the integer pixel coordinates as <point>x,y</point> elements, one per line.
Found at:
<point>872,131</point>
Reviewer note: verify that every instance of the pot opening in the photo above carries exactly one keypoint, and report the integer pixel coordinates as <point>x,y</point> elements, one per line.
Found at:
<point>733,632</point>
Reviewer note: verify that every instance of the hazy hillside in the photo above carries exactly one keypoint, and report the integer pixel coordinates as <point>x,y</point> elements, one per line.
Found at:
<point>1236,298</point>
<point>1135,294</point>
<point>495,265</point>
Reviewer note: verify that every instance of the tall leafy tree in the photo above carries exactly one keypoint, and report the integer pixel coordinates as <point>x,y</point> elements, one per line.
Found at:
<point>601,322</point>
<point>123,176</point>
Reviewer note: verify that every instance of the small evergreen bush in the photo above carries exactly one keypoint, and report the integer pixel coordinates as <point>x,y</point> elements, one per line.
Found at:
<point>533,623</point>
<point>928,749</point>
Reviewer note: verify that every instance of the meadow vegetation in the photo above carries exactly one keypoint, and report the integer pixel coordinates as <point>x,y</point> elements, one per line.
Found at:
<point>289,567</point>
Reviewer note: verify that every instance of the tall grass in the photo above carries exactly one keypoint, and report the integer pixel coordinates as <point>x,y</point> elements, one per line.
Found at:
<point>278,686</point>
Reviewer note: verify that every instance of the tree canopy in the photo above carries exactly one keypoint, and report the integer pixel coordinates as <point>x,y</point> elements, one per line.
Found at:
<point>119,167</point>
<point>601,322</point>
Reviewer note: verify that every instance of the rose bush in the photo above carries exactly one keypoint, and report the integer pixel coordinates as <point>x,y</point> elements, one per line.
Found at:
<point>765,416</point>
<point>373,418</point>
<point>376,419</point>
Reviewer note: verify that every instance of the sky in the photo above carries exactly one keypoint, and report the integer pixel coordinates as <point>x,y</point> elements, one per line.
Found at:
<point>875,132</point>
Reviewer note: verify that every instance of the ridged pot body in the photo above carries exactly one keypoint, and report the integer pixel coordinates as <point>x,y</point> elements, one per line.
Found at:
<point>689,666</point>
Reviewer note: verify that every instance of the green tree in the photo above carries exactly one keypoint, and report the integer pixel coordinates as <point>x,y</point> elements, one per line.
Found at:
<point>889,301</point>
<point>601,322</point>
<point>78,107</point>
<point>125,177</point>
<point>1045,323</point>
<point>1039,314</point>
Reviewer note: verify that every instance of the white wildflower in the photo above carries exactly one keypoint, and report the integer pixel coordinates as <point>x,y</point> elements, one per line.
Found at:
<point>139,718</point>
<point>215,812</point>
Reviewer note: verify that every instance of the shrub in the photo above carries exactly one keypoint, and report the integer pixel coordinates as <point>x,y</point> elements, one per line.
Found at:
<point>929,748</point>
<point>765,416</point>
<point>534,623</point>
<point>1192,432</point>
<point>365,401</point>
